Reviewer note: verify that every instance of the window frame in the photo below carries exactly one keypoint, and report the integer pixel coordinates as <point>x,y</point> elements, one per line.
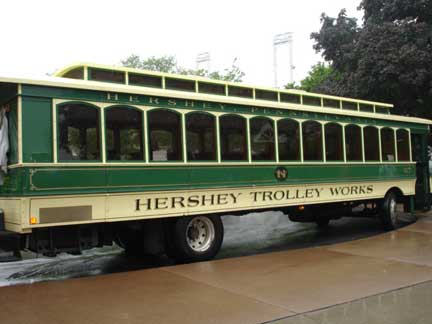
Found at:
<point>361,145</point>
<point>144,144</point>
<point>395,154</point>
<point>148,131</point>
<point>247,139</point>
<point>379,144</point>
<point>215,136</point>
<point>57,127</point>
<point>322,160</point>
<point>342,144</point>
<point>273,122</point>
<point>300,138</point>
<point>409,145</point>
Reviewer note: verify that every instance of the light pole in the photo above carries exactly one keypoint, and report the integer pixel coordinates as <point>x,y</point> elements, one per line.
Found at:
<point>281,39</point>
<point>203,58</point>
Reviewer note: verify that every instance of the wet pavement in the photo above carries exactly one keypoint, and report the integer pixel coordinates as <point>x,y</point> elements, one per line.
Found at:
<point>385,278</point>
<point>251,234</point>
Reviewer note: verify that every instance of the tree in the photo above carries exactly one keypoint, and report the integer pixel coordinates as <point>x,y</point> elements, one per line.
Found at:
<point>317,80</point>
<point>388,58</point>
<point>165,63</point>
<point>169,64</point>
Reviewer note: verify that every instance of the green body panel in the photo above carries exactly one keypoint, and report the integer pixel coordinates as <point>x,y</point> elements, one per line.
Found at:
<point>75,180</point>
<point>37,129</point>
<point>132,99</point>
<point>16,183</point>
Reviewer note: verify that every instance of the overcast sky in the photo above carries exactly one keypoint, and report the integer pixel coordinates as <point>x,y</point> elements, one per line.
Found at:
<point>38,37</point>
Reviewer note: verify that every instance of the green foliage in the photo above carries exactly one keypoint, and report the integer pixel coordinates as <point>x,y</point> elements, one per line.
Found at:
<point>169,64</point>
<point>319,76</point>
<point>387,59</point>
<point>165,63</point>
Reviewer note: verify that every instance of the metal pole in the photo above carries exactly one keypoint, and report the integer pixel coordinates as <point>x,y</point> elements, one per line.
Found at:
<point>281,39</point>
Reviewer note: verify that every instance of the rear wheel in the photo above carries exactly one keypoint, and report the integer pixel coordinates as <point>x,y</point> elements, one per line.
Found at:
<point>388,212</point>
<point>196,238</point>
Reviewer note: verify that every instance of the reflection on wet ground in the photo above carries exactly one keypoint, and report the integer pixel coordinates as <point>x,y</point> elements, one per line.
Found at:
<point>410,305</point>
<point>246,235</point>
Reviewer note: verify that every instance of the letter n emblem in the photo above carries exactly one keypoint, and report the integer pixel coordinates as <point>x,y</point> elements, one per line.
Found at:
<point>281,173</point>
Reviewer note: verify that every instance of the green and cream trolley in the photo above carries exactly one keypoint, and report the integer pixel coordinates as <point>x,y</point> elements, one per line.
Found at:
<point>150,160</point>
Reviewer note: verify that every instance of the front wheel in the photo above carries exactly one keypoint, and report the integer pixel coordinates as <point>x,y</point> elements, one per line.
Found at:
<point>196,238</point>
<point>388,212</point>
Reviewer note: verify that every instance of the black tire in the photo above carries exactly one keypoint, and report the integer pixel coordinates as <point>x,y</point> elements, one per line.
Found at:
<point>195,238</point>
<point>388,213</point>
<point>322,222</point>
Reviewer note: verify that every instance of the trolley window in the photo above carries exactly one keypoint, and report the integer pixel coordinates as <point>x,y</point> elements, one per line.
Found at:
<point>233,138</point>
<point>262,139</point>
<point>312,141</point>
<point>124,134</point>
<point>165,134</point>
<point>288,140</point>
<point>201,137</point>
<point>78,132</point>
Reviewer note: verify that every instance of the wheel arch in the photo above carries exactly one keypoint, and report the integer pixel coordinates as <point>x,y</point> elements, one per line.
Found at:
<point>398,192</point>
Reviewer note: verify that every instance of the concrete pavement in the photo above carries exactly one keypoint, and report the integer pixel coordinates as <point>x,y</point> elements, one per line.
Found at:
<point>286,287</point>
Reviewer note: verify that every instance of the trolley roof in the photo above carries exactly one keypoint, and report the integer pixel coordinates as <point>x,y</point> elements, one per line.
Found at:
<point>79,75</point>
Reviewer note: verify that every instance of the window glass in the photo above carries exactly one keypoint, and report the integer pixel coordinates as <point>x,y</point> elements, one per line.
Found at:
<point>262,139</point>
<point>145,80</point>
<point>333,142</point>
<point>311,101</point>
<point>288,97</point>
<point>179,84</point>
<point>331,103</point>
<point>403,145</point>
<point>124,136</point>
<point>266,95</point>
<point>211,88</point>
<point>387,145</point>
<point>312,141</point>
<point>348,105</point>
<point>289,140</point>
<point>353,143</point>
<point>240,92</point>
<point>233,138</point>
<point>382,110</point>
<point>107,75</point>
<point>371,144</point>
<point>78,132</point>
<point>366,108</point>
<point>165,135</point>
<point>201,137</point>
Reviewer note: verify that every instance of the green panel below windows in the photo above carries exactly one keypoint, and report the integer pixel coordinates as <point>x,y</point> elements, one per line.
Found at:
<point>99,179</point>
<point>37,129</point>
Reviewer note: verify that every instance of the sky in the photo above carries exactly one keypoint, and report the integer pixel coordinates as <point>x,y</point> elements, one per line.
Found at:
<point>39,37</point>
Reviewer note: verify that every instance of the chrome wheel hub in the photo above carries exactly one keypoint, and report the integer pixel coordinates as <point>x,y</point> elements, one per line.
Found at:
<point>200,234</point>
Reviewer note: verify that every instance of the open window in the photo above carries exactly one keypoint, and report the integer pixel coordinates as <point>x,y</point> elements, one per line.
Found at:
<point>312,141</point>
<point>200,137</point>
<point>78,132</point>
<point>288,140</point>
<point>165,134</point>
<point>124,134</point>
<point>233,141</point>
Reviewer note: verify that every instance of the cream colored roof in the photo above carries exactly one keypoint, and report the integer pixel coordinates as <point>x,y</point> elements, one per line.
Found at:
<point>55,81</point>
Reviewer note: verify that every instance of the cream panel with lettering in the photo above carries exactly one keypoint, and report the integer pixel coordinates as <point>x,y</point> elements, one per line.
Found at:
<point>179,203</point>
